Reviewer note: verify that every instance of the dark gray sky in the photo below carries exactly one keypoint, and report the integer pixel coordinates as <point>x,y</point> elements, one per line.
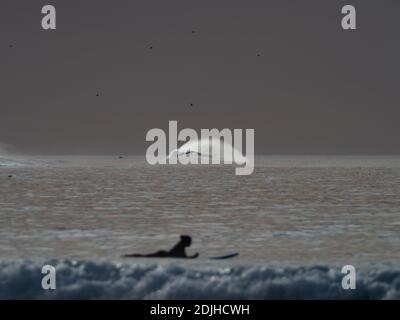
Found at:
<point>314,88</point>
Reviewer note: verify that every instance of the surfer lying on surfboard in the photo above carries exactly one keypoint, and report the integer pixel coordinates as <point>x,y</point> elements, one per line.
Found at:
<point>178,251</point>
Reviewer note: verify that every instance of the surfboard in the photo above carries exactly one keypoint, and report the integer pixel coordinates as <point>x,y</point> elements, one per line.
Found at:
<point>158,257</point>
<point>226,256</point>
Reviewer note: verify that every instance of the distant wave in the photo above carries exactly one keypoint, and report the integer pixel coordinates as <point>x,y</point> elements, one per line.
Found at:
<point>20,162</point>
<point>203,148</point>
<point>102,280</point>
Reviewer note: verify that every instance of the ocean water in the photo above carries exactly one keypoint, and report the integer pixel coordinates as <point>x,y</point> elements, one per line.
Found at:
<point>295,222</point>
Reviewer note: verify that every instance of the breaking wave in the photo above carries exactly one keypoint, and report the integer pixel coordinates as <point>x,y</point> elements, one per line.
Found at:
<point>104,280</point>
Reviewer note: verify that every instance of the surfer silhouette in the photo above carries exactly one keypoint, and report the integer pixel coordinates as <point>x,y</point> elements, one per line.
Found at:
<point>177,251</point>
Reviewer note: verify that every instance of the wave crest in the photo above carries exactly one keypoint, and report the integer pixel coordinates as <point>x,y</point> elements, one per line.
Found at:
<point>103,280</point>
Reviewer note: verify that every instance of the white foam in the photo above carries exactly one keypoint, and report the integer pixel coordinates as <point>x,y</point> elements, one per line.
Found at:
<point>102,280</point>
